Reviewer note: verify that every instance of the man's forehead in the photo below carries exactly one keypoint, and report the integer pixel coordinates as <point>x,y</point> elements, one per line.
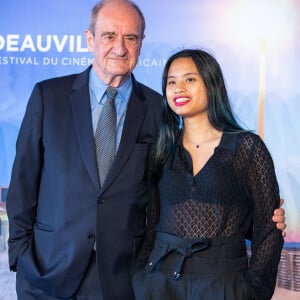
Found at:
<point>119,18</point>
<point>118,26</point>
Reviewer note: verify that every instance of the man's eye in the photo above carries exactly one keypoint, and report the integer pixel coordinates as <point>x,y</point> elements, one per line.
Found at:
<point>131,39</point>
<point>105,38</point>
<point>108,37</point>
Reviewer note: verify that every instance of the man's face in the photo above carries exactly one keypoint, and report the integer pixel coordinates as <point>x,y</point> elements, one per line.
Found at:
<point>115,42</point>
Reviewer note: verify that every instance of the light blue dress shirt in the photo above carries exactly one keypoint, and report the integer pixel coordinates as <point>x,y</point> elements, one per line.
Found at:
<point>98,98</point>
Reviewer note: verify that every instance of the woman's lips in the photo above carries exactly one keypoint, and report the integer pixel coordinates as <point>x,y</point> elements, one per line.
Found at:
<point>180,101</point>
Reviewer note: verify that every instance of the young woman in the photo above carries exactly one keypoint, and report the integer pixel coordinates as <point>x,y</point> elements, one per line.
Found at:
<point>213,186</point>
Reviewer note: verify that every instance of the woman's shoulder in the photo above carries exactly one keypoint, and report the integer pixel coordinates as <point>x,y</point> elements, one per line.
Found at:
<point>243,139</point>
<point>247,136</point>
<point>250,141</point>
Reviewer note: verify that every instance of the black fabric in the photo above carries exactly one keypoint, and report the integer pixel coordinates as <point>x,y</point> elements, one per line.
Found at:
<point>88,290</point>
<point>55,206</point>
<point>235,193</point>
<point>213,272</point>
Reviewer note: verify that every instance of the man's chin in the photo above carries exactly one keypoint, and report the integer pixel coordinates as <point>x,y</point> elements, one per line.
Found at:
<point>122,72</point>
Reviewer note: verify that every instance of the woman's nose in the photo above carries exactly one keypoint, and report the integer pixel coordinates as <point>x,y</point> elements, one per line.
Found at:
<point>180,87</point>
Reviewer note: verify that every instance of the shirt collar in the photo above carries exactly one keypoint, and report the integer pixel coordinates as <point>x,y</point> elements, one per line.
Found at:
<point>98,87</point>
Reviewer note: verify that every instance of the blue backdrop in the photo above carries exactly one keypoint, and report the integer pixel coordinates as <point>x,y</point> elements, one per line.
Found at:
<point>256,43</point>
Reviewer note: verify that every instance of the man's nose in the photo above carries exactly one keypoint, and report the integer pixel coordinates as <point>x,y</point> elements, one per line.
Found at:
<point>120,46</point>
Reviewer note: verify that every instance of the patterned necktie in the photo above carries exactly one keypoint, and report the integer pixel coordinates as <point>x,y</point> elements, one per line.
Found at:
<point>105,137</point>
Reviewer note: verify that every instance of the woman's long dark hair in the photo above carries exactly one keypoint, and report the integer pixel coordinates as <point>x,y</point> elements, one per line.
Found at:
<point>219,110</point>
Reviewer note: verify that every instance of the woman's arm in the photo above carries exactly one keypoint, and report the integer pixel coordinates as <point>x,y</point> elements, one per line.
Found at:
<point>267,240</point>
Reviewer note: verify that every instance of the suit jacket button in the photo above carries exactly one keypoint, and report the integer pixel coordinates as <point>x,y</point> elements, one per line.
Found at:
<point>91,236</point>
<point>100,200</point>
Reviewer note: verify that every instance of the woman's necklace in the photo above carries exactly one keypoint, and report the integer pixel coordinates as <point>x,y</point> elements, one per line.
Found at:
<point>211,139</point>
<point>195,145</point>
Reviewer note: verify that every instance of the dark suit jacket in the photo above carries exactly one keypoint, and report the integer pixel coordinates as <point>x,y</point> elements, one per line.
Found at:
<point>55,204</point>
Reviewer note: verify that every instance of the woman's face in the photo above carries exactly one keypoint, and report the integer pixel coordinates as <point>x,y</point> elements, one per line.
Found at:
<point>185,89</point>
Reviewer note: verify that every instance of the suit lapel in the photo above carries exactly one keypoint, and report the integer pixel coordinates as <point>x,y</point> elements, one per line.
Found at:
<point>80,102</point>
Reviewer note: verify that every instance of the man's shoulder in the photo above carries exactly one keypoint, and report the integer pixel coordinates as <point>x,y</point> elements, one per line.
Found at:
<point>146,93</point>
<point>64,80</point>
<point>149,90</point>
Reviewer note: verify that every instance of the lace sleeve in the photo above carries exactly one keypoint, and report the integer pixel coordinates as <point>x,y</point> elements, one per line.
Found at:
<point>267,241</point>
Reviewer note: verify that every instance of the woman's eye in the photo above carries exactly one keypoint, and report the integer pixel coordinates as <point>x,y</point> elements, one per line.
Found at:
<point>171,82</point>
<point>190,79</point>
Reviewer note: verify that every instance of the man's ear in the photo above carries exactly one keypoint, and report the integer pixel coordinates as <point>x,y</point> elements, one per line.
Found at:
<point>89,40</point>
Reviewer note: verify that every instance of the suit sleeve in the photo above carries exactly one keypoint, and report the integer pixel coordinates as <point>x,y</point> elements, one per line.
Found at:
<point>22,197</point>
